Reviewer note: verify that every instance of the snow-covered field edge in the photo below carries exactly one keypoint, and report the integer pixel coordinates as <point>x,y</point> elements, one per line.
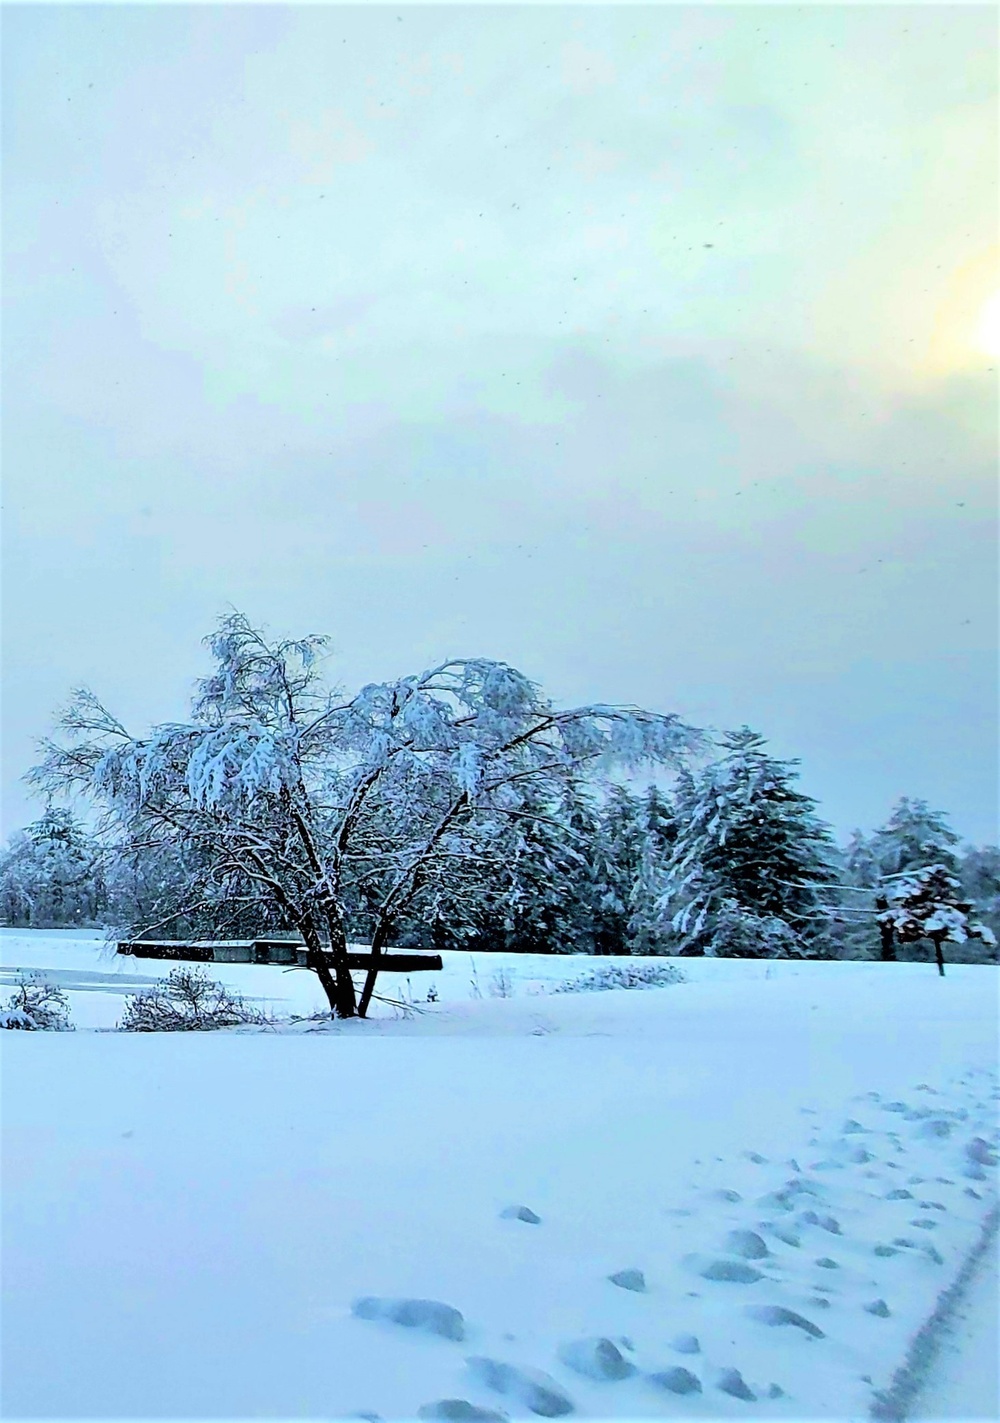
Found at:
<point>915,1374</point>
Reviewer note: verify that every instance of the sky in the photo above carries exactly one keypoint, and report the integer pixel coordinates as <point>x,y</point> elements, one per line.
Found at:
<point>649,349</point>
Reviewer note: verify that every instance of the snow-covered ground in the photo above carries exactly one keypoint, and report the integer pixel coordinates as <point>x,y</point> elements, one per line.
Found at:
<point>797,1157</point>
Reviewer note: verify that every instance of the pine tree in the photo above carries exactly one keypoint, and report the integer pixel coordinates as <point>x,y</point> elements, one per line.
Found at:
<point>617,850</point>
<point>747,871</point>
<point>647,932</point>
<point>50,874</point>
<point>913,837</point>
<point>979,872</point>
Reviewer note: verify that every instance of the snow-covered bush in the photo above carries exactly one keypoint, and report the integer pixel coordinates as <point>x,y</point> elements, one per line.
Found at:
<point>36,1006</point>
<point>739,933</point>
<point>188,1001</point>
<point>613,975</point>
<point>926,904</point>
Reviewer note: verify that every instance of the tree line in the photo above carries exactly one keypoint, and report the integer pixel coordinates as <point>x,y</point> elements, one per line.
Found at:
<point>459,808</point>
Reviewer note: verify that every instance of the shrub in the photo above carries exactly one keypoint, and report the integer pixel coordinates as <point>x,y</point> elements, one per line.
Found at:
<point>37,1006</point>
<point>612,975</point>
<point>188,1001</point>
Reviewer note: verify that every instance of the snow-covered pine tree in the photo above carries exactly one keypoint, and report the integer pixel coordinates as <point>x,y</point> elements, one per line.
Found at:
<point>615,859</point>
<point>854,931</point>
<point>50,874</point>
<point>647,931</point>
<point>979,872</point>
<point>548,887</point>
<point>913,837</point>
<point>928,904</point>
<point>313,802</point>
<point>747,874</point>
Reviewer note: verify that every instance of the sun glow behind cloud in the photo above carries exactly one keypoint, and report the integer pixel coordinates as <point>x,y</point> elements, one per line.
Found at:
<point>646,347</point>
<point>988,330</point>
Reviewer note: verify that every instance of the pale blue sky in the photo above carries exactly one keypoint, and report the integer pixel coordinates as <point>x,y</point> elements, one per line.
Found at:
<point>636,346</point>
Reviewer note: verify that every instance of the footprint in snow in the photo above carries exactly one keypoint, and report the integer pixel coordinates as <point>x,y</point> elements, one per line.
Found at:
<point>828,1223</point>
<point>877,1307</point>
<point>726,1195</point>
<point>427,1315</point>
<point>676,1380</point>
<point>776,1314</point>
<point>734,1272</point>
<point>731,1381</point>
<point>599,1359</point>
<point>633,1280</point>
<point>825,1263</point>
<point>534,1390</point>
<point>460,1410</point>
<point>782,1233</point>
<point>686,1344</point>
<point>524,1213</point>
<point>747,1244</point>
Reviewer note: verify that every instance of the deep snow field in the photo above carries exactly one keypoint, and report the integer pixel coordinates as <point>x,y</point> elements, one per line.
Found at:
<point>798,1158</point>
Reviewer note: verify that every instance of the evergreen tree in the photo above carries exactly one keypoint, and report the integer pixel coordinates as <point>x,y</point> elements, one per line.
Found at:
<point>616,856</point>
<point>913,837</point>
<point>647,932</point>
<point>979,872</point>
<point>50,874</point>
<point>748,870</point>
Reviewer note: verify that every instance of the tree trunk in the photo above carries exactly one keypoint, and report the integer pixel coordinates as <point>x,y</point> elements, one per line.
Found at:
<point>379,940</point>
<point>347,1003</point>
<point>341,1004</point>
<point>885,933</point>
<point>938,953</point>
